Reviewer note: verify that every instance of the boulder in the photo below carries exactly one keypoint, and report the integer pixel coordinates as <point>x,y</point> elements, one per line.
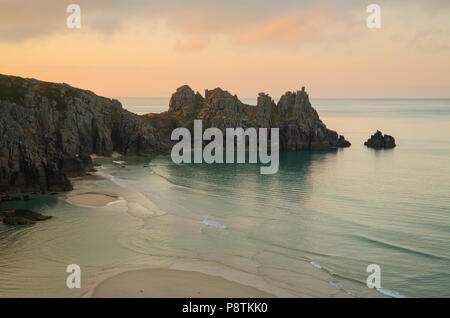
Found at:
<point>12,216</point>
<point>15,220</point>
<point>31,215</point>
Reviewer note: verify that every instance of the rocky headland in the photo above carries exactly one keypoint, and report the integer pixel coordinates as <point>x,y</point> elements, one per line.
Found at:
<point>299,124</point>
<point>48,130</point>
<point>380,141</point>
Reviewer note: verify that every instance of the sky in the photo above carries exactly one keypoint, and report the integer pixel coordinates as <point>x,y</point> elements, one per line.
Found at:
<point>149,48</point>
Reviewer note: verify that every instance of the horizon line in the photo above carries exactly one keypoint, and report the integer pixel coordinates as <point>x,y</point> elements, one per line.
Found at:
<point>311,98</point>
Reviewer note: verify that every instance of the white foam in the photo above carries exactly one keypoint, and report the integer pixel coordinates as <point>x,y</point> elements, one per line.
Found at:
<point>214,224</point>
<point>337,285</point>
<point>138,204</point>
<point>390,293</point>
<point>115,202</point>
<point>107,176</point>
<point>316,265</point>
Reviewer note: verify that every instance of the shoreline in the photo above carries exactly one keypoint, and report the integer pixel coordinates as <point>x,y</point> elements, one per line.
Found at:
<point>179,277</point>
<point>172,283</point>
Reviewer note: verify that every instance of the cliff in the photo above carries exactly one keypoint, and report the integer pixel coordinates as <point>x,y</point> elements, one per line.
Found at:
<point>48,130</point>
<point>299,124</point>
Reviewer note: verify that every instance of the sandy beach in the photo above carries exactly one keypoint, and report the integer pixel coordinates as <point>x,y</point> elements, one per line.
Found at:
<point>161,283</point>
<point>184,277</point>
<point>91,199</point>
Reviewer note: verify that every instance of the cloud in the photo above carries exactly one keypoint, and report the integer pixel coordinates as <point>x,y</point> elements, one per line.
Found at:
<point>196,22</point>
<point>21,19</point>
<point>24,19</point>
<point>431,39</point>
<point>298,27</point>
<point>193,43</point>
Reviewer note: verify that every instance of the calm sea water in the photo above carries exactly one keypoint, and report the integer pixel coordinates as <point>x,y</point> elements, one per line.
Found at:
<point>311,229</point>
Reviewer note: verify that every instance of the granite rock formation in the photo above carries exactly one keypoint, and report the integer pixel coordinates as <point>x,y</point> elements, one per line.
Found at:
<point>380,141</point>
<point>299,124</point>
<point>48,130</point>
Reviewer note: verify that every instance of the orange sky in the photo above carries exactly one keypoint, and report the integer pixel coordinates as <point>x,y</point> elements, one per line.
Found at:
<point>246,47</point>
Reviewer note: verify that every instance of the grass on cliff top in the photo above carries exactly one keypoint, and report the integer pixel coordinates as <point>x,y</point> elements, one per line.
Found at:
<point>14,89</point>
<point>14,94</point>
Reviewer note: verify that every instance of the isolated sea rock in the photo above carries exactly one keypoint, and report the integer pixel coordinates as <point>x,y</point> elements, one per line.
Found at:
<point>21,217</point>
<point>380,141</point>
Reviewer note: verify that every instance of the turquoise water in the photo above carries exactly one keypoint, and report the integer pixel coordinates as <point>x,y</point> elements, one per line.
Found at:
<point>309,230</point>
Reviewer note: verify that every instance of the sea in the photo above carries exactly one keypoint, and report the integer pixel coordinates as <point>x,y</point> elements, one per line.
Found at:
<point>311,230</point>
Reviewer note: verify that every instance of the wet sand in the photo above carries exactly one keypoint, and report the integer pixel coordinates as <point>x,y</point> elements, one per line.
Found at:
<point>167,283</point>
<point>91,199</point>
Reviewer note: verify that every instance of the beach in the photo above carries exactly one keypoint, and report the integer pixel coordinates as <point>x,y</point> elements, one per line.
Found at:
<point>310,230</point>
<point>166,283</point>
<point>91,199</point>
<point>181,276</point>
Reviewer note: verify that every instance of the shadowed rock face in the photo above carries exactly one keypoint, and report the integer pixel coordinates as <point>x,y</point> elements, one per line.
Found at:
<point>378,141</point>
<point>185,100</point>
<point>48,130</point>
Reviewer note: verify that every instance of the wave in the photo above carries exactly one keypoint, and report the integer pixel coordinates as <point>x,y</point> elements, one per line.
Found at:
<point>337,285</point>
<point>316,265</point>
<point>138,205</point>
<point>115,202</point>
<point>406,249</point>
<point>390,293</point>
<point>214,224</point>
<point>173,184</point>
